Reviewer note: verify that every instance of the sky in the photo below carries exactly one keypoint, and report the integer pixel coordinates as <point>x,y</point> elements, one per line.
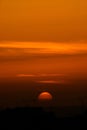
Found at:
<point>43,26</point>
<point>33,36</point>
<point>43,20</point>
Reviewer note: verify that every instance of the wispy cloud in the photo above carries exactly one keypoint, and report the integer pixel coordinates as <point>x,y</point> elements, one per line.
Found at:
<point>22,48</point>
<point>25,75</point>
<point>40,75</point>
<point>51,82</point>
<point>44,76</point>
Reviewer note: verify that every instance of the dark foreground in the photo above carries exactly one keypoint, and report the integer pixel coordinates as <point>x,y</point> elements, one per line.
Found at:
<point>38,118</point>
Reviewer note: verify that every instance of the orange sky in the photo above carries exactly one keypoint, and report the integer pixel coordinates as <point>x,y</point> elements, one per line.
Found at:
<point>43,20</point>
<point>29,28</point>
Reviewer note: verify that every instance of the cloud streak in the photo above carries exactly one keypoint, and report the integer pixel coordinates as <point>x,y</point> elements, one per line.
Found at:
<point>51,82</point>
<point>16,48</point>
<point>40,75</point>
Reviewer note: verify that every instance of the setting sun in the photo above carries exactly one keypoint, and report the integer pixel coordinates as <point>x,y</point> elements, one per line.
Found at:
<point>45,96</point>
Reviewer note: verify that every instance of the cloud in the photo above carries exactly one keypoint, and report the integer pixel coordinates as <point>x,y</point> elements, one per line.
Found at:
<point>41,48</point>
<point>25,75</point>
<point>40,75</point>
<point>51,82</point>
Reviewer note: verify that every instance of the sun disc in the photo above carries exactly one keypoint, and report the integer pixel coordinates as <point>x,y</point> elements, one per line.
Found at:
<point>45,96</point>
